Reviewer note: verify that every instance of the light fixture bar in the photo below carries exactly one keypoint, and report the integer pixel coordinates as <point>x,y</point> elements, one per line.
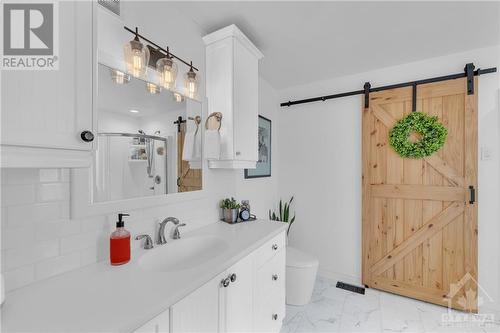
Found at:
<point>136,33</point>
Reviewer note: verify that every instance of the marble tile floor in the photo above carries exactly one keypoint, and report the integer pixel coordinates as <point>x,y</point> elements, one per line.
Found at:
<point>336,310</point>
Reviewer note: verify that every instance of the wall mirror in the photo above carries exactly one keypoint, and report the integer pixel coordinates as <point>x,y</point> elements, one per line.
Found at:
<point>148,140</point>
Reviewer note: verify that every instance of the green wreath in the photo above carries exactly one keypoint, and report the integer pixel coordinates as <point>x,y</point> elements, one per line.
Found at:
<point>432,135</point>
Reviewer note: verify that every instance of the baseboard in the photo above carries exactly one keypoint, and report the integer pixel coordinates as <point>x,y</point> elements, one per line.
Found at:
<point>325,273</point>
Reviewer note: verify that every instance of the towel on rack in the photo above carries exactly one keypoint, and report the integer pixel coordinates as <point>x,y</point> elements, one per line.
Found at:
<point>188,150</point>
<point>212,144</point>
<point>194,165</point>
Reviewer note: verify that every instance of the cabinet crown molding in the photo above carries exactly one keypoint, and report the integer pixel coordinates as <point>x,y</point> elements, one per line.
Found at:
<point>233,31</point>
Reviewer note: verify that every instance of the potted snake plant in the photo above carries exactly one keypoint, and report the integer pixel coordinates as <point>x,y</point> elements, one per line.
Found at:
<point>284,214</point>
<point>230,210</point>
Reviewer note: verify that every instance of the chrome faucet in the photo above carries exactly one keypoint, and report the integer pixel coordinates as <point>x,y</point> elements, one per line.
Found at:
<point>177,234</point>
<point>148,244</point>
<point>161,230</point>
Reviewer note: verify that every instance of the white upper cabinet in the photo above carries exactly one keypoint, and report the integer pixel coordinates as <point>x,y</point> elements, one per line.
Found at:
<point>232,72</point>
<point>51,108</point>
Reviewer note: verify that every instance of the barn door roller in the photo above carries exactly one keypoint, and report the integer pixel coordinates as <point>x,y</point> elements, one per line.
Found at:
<point>469,72</point>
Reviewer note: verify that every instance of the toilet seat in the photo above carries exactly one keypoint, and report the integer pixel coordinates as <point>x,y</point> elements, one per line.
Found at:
<point>298,259</point>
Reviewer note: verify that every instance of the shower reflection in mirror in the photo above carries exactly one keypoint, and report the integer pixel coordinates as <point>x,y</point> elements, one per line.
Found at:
<point>142,147</point>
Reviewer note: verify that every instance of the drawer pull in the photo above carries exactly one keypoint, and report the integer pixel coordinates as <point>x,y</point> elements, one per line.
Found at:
<point>275,277</point>
<point>275,247</point>
<point>225,282</point>
<point>232,277</point>
<point>275,316</point>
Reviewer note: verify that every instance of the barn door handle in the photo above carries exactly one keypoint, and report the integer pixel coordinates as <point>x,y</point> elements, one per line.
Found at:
<point>472,192</point>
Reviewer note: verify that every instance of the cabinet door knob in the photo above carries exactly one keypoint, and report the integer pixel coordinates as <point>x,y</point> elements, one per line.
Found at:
<point>275,316</point>
<point>225,282</point>
<point>275,247</point>
<point>232,277</point>
<point>87,136</point>
<point>275,277</point>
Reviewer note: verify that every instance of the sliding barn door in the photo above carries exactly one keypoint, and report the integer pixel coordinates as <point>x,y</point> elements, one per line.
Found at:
<point>419,228</point>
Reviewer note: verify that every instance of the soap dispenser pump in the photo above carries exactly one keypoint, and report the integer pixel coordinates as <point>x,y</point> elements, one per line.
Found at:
<point>119,243</point>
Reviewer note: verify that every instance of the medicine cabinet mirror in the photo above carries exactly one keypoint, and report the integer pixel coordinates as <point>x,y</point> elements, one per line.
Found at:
<point>148,140</point>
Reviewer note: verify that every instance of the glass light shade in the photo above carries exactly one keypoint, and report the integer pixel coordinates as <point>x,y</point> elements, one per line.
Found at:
<point>119,77</point>
<point>178,97</point>
<point>136,57</point>
<point>191,84</point>
<point>152,88</point>
<point>167,72</point>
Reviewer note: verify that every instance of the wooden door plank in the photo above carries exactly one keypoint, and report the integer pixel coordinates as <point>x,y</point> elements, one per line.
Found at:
<point>438,222</point>
<point>432,248</point>
<point>419,192</point>
<point>412,169</point>
<point>366,197</point>
<point>470,227</point>
<point>395,222</point>
<point>453,154</point>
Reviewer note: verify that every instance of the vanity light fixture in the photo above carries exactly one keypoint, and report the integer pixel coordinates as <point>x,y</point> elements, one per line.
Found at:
<point>167,71</point>
<point>119,77</point>
<point>152,88</point>
<point>191,83</point>
<point>178,97</point>
<point>136,56</point>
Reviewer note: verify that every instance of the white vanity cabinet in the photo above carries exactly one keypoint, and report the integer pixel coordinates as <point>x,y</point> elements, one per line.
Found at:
<point>199,311</point>
<point>159,324</point>
<point>232,72</point>
<point>50,108</point>
<point>247,297</point>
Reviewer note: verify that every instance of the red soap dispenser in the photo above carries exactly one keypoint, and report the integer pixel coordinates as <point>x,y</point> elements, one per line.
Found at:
<point>119,243</point>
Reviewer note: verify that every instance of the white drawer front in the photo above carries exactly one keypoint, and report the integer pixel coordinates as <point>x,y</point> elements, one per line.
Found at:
<point>269,306</point>
<point>270,249</point>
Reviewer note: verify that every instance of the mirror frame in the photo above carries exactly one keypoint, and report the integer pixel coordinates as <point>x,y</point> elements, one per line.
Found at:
<point>81,191</point>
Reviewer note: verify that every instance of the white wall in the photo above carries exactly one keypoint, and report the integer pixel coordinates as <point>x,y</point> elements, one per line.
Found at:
<point>319,155</point>
<point>40,240</point>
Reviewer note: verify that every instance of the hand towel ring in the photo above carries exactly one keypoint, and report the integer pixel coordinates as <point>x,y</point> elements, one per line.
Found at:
<point>214,121</point>
<point>197,121</point>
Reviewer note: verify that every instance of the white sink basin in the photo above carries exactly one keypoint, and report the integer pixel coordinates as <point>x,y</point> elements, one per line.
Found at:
<point>181,254</point>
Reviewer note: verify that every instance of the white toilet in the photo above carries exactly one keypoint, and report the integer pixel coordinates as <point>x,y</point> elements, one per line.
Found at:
<point>301,269</point>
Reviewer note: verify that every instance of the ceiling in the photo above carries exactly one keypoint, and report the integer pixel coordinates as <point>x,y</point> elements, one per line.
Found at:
<point>309,41</point>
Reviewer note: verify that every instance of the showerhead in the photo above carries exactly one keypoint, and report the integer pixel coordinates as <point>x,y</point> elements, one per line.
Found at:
<point>141,132</point>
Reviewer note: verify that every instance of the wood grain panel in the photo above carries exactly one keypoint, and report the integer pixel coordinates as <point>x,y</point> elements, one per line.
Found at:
<point>419,231</point>
<point>419,192</point>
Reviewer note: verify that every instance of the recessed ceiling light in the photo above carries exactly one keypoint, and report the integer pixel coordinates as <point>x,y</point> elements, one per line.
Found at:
<point>134,111</point>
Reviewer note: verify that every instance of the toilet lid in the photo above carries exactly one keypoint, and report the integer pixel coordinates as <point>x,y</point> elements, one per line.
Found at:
<point>299,259</point>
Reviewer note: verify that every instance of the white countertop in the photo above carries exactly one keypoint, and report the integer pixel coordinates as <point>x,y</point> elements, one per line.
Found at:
<point>105,298</point>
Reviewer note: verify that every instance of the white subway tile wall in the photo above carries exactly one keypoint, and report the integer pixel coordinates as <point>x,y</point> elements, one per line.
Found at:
<point>40,240</point>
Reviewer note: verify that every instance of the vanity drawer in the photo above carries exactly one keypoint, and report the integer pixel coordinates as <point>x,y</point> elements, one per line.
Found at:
<point>269,306</point>
<point>271,276</point>
<point>270,249</point>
